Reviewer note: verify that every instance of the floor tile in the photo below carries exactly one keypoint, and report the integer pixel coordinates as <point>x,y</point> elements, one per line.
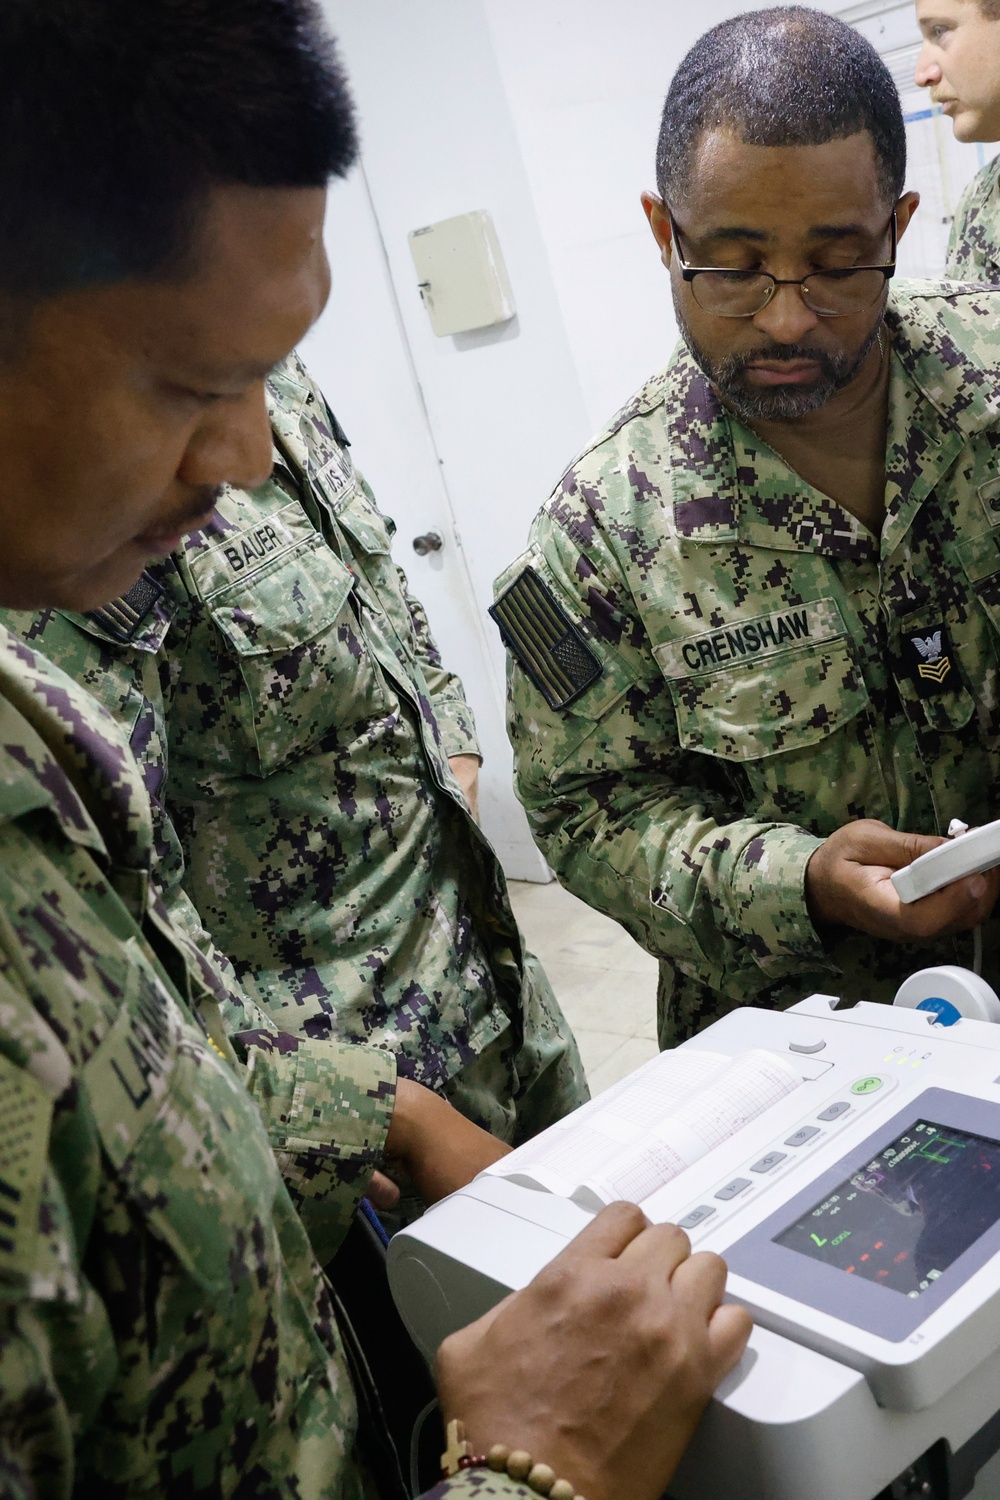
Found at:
<point>629,1056</point>
<point>604,981</point>
<point>597,1048</point>
<point>596,999</point>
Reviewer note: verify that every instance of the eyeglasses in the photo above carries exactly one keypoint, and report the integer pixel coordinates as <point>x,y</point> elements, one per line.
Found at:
<point>743,294</point>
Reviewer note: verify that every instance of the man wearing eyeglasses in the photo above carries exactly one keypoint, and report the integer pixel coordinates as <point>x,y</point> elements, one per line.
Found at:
<point>753,641</point>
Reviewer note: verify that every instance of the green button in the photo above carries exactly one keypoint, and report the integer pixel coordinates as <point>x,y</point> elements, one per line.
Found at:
<point>866,1085</point>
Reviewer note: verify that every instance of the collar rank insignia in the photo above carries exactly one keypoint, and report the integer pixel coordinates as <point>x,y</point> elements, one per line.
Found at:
<point>548,644</point>
<point>929,658</point>
<point>123,617</point>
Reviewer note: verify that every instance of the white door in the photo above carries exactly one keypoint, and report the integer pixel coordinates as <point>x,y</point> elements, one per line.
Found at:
<point>359,354</point>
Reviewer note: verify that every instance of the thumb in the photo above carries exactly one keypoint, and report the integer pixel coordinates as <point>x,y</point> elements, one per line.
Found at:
<point>913,845</point>
<point>728,1331</point>
<point>881,845</point>
<point>382,1191</point>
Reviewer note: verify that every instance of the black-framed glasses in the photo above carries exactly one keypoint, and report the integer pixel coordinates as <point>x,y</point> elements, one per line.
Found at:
<point>743,294</point>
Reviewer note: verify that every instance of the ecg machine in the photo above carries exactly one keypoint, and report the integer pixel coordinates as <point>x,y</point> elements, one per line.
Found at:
<point>846,1163</point>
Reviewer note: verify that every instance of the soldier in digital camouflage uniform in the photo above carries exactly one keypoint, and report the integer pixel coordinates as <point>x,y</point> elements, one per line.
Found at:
<point>287,703</point>
<point>115,1050</point>
<point>974,241</point>
<point>714,665</point>
<point>164,1327</point>
<point>960,64</point>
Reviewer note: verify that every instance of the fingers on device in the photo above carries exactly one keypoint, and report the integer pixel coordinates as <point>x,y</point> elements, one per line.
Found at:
<point>846,1165</point>
<point>969,854</point>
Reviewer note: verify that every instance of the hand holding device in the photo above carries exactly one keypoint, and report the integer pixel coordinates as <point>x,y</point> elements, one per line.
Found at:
<point>849,882</point>
<point>603,1365</point>
<point>970,853</point>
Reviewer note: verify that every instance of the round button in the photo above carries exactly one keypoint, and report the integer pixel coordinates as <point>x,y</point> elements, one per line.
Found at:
<point>866,1085</point>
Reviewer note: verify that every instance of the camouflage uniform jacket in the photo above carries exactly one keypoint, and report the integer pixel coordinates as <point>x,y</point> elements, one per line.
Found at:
<point>165,1328</point>
<point>293,720</point>
<point>715,666</point>
<point>974,242</point>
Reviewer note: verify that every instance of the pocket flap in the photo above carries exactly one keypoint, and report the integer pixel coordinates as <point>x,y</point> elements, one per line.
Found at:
<point>288,606</point>
<point>980,555</point>
<point>765,686</point>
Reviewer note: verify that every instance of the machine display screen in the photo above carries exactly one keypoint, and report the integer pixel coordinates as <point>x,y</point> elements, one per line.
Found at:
<point>909,1212</point>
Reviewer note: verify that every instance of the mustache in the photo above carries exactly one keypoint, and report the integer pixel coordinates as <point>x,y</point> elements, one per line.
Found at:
<point>779,354</point>
<point>206,497</point>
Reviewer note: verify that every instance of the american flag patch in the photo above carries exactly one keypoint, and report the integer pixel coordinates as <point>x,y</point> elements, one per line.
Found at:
<point>122,617</point>
<point>540,634</point>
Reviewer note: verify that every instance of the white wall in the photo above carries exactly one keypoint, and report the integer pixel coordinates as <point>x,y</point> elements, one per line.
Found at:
<point>585,81</point>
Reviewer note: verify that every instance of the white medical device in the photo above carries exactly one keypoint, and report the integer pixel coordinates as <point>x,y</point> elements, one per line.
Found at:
<point>847,1166</point>
<point>970,853</point>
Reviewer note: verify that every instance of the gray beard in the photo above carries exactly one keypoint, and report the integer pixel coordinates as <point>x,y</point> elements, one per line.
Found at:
<point>775,403</point>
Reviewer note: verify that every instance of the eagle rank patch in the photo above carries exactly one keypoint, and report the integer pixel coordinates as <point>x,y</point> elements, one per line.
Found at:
<point>929,659</point>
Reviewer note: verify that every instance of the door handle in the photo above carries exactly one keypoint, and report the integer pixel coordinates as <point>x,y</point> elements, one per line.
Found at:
<point>429,542</point>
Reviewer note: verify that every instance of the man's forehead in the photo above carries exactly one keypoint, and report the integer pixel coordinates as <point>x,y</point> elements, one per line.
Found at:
<point>833,188</point>
<point>245,301</point>
<point>929,11</point>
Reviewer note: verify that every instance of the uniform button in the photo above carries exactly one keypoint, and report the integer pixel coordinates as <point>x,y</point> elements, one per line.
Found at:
<point>801,1136</point>
<point>834,1110</point>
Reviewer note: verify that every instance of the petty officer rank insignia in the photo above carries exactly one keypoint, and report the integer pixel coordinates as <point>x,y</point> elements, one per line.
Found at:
<point>930,662</point>
<point>540,634</point>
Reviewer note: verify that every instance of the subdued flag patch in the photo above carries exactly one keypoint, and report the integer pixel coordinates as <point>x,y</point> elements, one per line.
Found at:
<point>25,1115</point>
<point>123,617</point>
<point>545,641</point>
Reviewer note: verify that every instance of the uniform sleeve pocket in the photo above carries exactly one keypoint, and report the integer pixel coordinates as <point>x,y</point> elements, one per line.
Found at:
<point>168,1112</point>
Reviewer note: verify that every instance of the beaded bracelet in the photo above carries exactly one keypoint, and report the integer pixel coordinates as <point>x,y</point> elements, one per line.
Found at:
<point>503,1460</point>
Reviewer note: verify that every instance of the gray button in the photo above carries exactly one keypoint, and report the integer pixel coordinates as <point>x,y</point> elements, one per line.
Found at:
<point>806,1046</point>
<point>801,1136</point>
<point>696,1216</point>
<point>732,1188</point>
<point>834,1110</point>
<point>769,1162</point>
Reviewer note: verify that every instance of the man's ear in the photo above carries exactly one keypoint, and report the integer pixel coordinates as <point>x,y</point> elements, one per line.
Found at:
<point>905,209</point>
<point>659,222</point>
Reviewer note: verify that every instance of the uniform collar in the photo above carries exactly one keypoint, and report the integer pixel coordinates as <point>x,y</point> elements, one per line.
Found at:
<point>729,485</point>
<point>287,394</point>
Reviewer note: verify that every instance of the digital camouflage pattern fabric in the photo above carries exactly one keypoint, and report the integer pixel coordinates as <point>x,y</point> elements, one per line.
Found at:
<point>769,670</point>
<point>283,694</point>
<point>974,242</point>
<point>165,1328</point>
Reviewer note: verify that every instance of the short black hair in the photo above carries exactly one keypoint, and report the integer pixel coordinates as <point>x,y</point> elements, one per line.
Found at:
<point>786,76</point>
<point>118,118</point>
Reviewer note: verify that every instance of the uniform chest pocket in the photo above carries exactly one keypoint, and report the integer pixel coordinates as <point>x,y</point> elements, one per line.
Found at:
<point>764,687</point>
<point>303,673</point>
<point>181,1133</point>
<point>980,557</point>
